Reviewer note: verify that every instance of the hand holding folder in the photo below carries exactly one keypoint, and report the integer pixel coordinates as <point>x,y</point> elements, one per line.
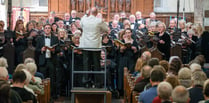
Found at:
<point>121,44</point>
<point>51,48</point>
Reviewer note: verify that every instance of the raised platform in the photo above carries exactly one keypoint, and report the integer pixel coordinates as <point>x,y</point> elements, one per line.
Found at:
<point>91,96</point>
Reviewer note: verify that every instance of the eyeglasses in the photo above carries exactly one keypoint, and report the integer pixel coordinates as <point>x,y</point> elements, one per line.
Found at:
<point>127,32</point>
<point>47,28</point>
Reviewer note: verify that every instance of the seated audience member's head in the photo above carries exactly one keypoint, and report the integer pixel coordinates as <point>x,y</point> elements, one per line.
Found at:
<point>20,67</point>
<point>145,72</point>
<point>180,95</point>
<point>175,65</point>
<point>153,61</point>
<point>4,92</point>
<point>195,67</point>
<point>3,62</point>
<point>198,78</point>
<point>32,68</point>
<point>156,76</point>
<point>19,77</point>
<point>164,91</point>
<point>3,74</point>
<point>165,64</point>
<point>185,77</point>
<point>29,60</point>
<point>28,76</point>
<point>206,89</point>
<point>201,59</point>
<point>173,80</point>
<point>143,60</point>
<point>160,67</point>
<point>146,55</point>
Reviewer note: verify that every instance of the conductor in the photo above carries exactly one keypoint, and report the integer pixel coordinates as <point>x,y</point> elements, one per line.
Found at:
<point>91,38</point>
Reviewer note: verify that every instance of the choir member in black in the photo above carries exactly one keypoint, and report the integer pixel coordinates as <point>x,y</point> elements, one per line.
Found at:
<point>185,39</point>
<point>67,19</point>
<point>172,26</point>
<point>116,18</point>
<point>39,26</point>
<point>114,29</point>
<point>73,17</point>
<point>191,43</point>
<point>164,40</point>
<point>108,45</point>
<point>54,29</point>
<point>32,31</point>
<point>189,26</point>
<point>110,70</point>
<point>119,59</point>
<point>122,16</point>
<point>78,24</point>
<point>127,56</point>
<point>9,35</point>
<point>47,49</point>
<point>20,41</point>
<point>182,25</point>
<point>134,24</point>
<point>2,40</point>
<point>152,16</point>
<point>30,26</point>
<point>73,28</point>
<point>201,45</point>
<point>142,28</point>
<point>63,71</point>
<point>53,17</point>
<point>60,24</point>
<point>129,51</point>
<point>152,28</point>
<point>78,58</point>
<point>139,19</point>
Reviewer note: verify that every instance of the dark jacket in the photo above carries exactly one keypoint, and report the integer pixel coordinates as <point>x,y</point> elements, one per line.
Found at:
<point>41,43</point>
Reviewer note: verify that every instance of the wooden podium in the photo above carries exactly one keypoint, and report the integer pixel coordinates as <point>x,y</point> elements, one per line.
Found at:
<point>91,96</point>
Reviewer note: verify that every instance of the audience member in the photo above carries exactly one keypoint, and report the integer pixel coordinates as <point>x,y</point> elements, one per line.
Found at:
<point>173,80</point>
<point>14,97</point>
<point>19,78</point>
<point>144,79</point>
<point>4,92</point>
<point>180,95</point>
<point>206,91</point>
<point>165,64</point>
<point>153,61</point>
<point>156,76</point>
<point>196,92</point>
<point>164,91</point>
<point>185,77</point>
